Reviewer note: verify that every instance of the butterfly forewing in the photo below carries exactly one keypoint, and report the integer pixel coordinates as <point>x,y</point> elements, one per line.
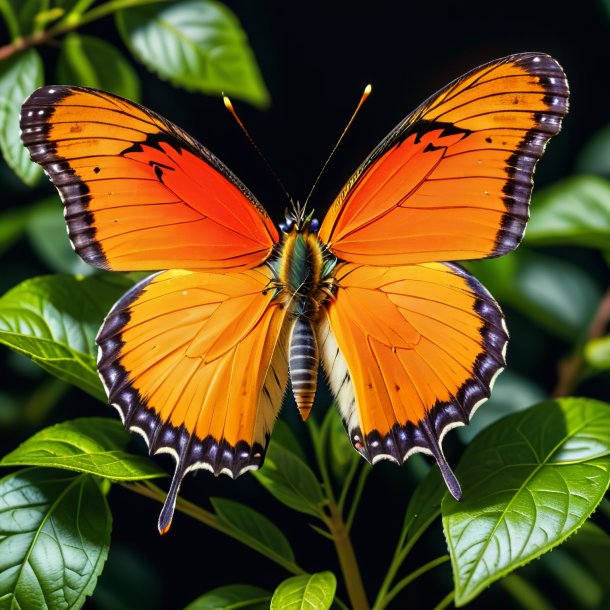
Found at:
<point>139,193</point>
<point>453,180</point>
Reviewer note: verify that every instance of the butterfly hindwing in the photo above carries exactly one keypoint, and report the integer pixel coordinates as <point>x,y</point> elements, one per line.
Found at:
<point>196,363</point>
<point>139,193</point>
<point>410,352</point>
<point>453,180</point>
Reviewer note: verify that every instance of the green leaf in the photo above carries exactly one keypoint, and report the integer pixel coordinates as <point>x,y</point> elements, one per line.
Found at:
<point>594,156</point>
<point>247,523</point>
<point>597,353</point>
<point>92,62</point>
<point>13,223</point>
<point>195,44</point>
<point>283,435</point>
<point>425,504</point>
<point>314,592</point>
<point>555,294</point>
<point>94,445</point>
<point>511,393</point>
<point>291,481</point>
<point>337,447</point>
<point>233,597</point>
<point>574,211</point>
<point>53,320</point>
<point>529,481</point>
<point>592,545</point>
<point>54,538</point>
<point>46,229</point>
<point>19,76</point>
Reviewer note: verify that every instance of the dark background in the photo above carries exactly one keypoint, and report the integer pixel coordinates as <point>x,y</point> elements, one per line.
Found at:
<point>316,57</point>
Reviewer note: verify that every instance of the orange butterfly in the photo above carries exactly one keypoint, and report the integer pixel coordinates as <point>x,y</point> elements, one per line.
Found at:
<point>196,359</point>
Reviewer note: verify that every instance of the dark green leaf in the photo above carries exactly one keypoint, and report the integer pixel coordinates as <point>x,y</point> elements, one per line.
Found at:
<point>19,76</point>
<point>248,523</point>
<point>233,597</point>
<point>13,223</point>
<point>592,545</point>
<point>291,481</point>
<point>314,592</point>
<point>92,445</point>
<point>54,538</point>
<point>574,211</point>
<point>556,294</point>
<point>337,447</point>
<point>282,435</point>
<point>594,156</point>
<point>53,321</point>
<point>92,62</point>
<point>511,393</point>
<point>46,230</point>
<point>195,44</point>
<point>425,504</point>
<point>528,481</point>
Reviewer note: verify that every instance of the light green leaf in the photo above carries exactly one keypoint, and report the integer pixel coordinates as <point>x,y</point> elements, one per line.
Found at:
<point>291,481</point>
<point>247,523</point>
<point>94,445</point>
<point>528,481</point>
<point>195,44</point>
<point>54,538</point>
<point>574,211</point>
<point>313,592</point>
<point>19,76</point>
<point>594,156</point>
<point>92,62</point>
<point>46,229</point>
<point>53,320</point>
<point>557,295</point>
<point>233,597</point>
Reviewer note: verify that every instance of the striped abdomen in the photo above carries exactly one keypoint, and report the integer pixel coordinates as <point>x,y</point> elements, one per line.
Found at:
<point>303,359</point>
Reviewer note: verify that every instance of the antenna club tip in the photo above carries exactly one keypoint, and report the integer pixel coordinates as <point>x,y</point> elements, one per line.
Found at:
<point>368,89</point>
<point>227,102</point>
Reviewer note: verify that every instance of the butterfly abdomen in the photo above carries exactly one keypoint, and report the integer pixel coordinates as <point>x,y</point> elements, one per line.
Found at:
<point>303,359</point>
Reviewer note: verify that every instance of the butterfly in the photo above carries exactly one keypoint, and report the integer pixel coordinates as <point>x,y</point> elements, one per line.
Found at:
<point>197,359</point>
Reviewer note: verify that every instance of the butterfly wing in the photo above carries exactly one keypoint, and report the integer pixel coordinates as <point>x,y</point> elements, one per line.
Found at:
<point>139,193</point>
<point>410,352</point>
<point>453,180</point>
<point>196,363</point>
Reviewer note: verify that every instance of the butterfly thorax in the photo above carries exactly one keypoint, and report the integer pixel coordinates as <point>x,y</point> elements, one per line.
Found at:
<point>304,282</point>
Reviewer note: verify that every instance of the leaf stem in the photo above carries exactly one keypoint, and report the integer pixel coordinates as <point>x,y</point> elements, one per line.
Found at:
<point>316,440</point>
<point>570,369</point>
<point>69,23</point>
<point>347,558</point>
<point>348,481</point>
<point>444,603</point>
<point>149,490</point>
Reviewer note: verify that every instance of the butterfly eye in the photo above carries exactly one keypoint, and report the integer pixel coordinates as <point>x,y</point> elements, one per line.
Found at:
<point>314,225</point>
<point>287,225</point>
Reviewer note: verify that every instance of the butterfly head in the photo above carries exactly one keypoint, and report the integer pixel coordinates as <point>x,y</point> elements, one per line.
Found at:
<point>296,221</point>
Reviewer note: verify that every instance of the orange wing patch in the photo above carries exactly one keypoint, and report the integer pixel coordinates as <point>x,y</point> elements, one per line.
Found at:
<point>453,180</point>
<point>196,363</point>
<point>410,352</point>
<point>139,193</point>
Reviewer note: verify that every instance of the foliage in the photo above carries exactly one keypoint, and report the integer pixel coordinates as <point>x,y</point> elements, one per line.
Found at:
<point>532,478</point>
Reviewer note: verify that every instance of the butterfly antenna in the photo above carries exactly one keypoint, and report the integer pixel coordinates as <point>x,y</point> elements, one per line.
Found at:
<point>365,94</point>
<point>229,107</point>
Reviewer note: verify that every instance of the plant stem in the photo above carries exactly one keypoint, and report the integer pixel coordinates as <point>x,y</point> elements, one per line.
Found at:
<point>569,370</point>
<point>348,480</point>
<point>364,473</point>
<point>401,584</point>
<point>68,24</point>
<point>314,433</point>
<point>149,490</point>
<point>444,603</point>
<point>347,558</point>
